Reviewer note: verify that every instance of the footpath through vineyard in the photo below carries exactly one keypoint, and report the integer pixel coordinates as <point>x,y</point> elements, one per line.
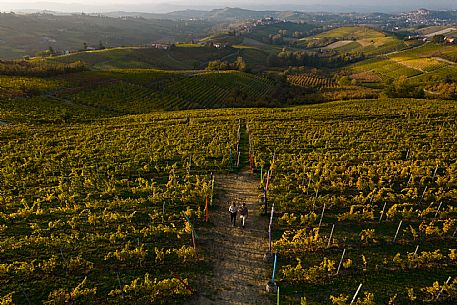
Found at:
<point>238,273</point>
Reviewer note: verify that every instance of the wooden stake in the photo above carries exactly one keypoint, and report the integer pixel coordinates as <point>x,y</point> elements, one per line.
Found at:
<point>356,293</point>
<point>268,181</point>
<point>439,294</point>
<point>163,212</point>
<point>341,261</point>
<point>206,209</point>
<point>409,180</point>
<point>398,230</point>
<point>269,226</point>
<point>277,300</point>
<point>382,212</point>
<point>438,210</point>
<point>331,235</point>
<point>193,240</point>
<point>423,193</point>
<point>434,172</point>
<point>322,215</point>
<point>212,192</point>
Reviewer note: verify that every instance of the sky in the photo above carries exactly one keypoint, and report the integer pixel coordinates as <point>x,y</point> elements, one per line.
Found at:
<point>164,5</point>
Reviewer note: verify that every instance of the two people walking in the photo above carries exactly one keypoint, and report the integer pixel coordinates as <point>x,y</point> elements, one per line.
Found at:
<point>243,210</point>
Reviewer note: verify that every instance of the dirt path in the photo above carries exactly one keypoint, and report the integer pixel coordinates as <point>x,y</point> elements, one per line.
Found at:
<point>239,273</point>
<point>444,60</point>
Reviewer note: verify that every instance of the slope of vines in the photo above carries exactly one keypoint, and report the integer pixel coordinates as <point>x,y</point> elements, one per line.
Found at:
<point>95,213</point>
<point>372,169</point>
<point>305,80</point>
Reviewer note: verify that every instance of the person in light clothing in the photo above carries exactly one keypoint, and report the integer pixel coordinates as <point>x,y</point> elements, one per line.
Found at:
<point>243,214</point>
<point>233,211</point>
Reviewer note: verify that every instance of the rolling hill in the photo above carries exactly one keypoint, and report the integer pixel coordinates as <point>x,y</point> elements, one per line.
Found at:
<point>128,91</point>
<point>178,58</point>
<point>22,35</point>
<point>429,59</point>
<point>355,39</point>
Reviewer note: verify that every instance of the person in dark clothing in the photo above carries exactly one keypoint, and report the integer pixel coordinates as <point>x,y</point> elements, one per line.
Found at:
<point>243,213</point>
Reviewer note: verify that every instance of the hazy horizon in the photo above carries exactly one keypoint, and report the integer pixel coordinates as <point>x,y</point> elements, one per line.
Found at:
<point>161,6</point>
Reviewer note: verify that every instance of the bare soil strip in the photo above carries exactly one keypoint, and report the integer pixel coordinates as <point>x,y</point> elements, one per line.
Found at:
<point>239,274</point>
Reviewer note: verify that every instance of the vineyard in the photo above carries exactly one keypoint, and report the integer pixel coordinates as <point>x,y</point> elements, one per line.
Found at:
<point>179,58</point>
<point>220,89</point>
<point>386,68</point>
<point>123,97</point>
<point>356,39</point>
<point>306,80</point>
<point>44,110</point>
<point>103,212</point>
<point>128,92</point>
<point>13,86</point>
<point>363,193</point>
<point>429,50</point>
<point>113,175</point>
<point>422,64</point>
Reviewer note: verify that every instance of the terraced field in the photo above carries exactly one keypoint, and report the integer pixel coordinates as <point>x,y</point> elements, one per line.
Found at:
<point>306,80</point>
<point>385,68</point>
<point>358,39</point>
<point>421,64</point>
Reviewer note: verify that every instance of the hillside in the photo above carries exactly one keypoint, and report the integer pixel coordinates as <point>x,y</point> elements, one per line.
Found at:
<point>178,58</point>
<point>124,210</point>
<point>128,91</point>
<point>22,35</point>
<point>288,30</point>
<point>429,59</point>
<point>219,15</point>
<point>355,39</point>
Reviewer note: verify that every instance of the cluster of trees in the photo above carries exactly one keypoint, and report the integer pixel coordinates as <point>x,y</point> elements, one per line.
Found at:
<point>318,60</point>
<point>39,68</point>
<point>219,65</point>
<point>278,39</point>
<point>402,88</point>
